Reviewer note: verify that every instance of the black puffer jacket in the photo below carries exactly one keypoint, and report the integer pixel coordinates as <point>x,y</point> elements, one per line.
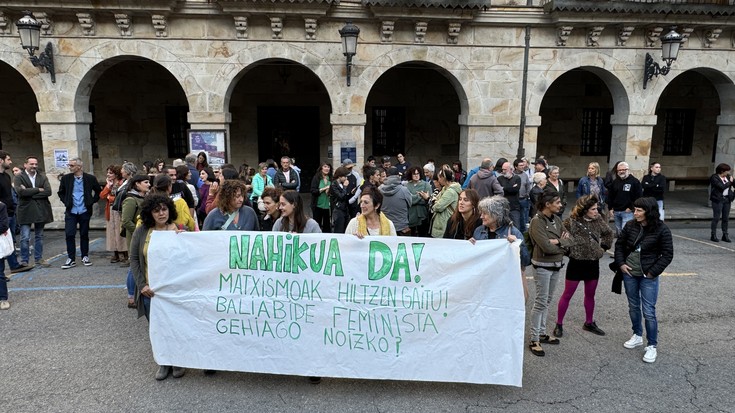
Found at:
<point>657,246</point>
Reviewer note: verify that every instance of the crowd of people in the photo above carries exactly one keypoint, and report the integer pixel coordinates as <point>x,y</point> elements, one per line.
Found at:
<point>512,200</point>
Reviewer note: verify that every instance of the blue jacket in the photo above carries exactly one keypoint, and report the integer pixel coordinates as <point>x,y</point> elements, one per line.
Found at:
<point>481,233</point>
<point>584,188</point>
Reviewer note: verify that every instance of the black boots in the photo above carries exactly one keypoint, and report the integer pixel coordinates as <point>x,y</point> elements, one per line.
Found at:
<point>713,238</point>
<point>725,237</point>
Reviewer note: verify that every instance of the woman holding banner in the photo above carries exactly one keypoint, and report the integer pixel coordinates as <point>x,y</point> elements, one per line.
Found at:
<point>157,214</point>
<point>370,221</point>
<point>497,224</point>
<point>550,242</point>
<point>231,214</point>
<point>293,218</point>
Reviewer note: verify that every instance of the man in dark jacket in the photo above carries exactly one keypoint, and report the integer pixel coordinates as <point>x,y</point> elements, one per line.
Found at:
<point>286,178</point>
<point>79,191</point>
<point>623,192</point>
<point>34,208</point>
<point>484,181</point>
<point>6,197</point>
<point>511,184</point>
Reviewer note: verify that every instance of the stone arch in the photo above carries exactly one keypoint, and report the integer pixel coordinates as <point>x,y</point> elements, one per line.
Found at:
<point>719,78</point>
<point>85,70</point>
<point>618,82</point>
<point>227,78</point>
<point>451,67</point>
<point>709,122</point>
<point>17,58</point>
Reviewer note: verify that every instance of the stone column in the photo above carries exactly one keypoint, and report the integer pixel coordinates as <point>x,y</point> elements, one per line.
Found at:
<point>631,141</point>
<point>64,131</point>
<point>214,121</point>
<point>486,136</point>
<point>530,137</point>
<point>725,150</point>
<point>348,129</point>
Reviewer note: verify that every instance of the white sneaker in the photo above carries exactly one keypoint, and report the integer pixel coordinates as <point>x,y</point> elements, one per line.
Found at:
<point>635,341</point>
<point>4,305</point>
<point>650,355</point>
<point>68,264</point>
<point>86,261</point>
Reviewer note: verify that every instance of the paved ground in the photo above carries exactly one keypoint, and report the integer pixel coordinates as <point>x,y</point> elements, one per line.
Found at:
<point>70,344</point>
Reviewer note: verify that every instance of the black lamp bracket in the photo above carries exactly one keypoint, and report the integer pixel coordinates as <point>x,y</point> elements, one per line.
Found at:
<point>652,69</point>
<point>45,60</point>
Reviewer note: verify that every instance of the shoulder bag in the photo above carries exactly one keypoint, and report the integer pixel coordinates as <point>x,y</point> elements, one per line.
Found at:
<point>7,247</point>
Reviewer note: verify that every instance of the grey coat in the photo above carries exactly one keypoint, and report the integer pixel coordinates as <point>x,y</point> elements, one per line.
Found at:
<point>34,206</point>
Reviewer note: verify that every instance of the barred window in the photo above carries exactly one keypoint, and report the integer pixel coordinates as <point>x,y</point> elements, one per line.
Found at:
<point>389,130</point>
<point>679,131</point>
<point>596,132</point>
<point>176,127</point>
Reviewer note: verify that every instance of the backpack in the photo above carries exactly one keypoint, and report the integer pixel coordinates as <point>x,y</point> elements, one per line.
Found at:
<point>120,196</point>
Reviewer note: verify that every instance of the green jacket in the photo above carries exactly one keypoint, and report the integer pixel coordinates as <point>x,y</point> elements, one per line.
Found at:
<point>443,208</point>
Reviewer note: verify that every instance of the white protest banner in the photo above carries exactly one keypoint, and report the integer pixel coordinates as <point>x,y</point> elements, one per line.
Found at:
<point>334,305</point>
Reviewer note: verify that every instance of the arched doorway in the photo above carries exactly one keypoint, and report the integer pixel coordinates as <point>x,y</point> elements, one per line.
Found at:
<point>413,109</point>
<point>575,123</point>
<point>20,135</point>
<point>685,136</point>
<point>139,113</point>
<point>280,108</point>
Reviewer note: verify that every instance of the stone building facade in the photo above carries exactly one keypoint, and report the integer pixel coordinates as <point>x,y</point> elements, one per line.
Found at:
<point>442,79</point>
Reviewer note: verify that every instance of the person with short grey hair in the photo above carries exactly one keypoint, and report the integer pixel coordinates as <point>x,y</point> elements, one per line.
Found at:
<point>191,163</point>
<point>79,191</point>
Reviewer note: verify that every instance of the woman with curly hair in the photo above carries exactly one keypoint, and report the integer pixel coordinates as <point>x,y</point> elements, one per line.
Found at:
<point>293,218</point>
<point>231,214</point>
<point>157,214</point>
<point>466,217</point>
<point>591,237</point>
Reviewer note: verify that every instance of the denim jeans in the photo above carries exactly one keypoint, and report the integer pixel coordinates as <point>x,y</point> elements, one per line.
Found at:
<point>661,210</point>
<point>515,216</point>
<point>12,258</point>
<point>70,227</point>
<point>525,210</point>
<point>130,284</point>
<point>25,238</point>
<point>545,280</point>
<point>642,292</point>
<point>146,306</point>
<point>621,218</point>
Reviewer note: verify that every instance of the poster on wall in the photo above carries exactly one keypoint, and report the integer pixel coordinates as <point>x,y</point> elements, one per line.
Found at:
<point>61,158</point>
<point>348,150</point>
<point>210,141</point>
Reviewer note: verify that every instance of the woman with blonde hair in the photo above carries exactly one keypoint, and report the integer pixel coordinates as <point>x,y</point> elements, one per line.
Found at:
<point>593,184</point>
